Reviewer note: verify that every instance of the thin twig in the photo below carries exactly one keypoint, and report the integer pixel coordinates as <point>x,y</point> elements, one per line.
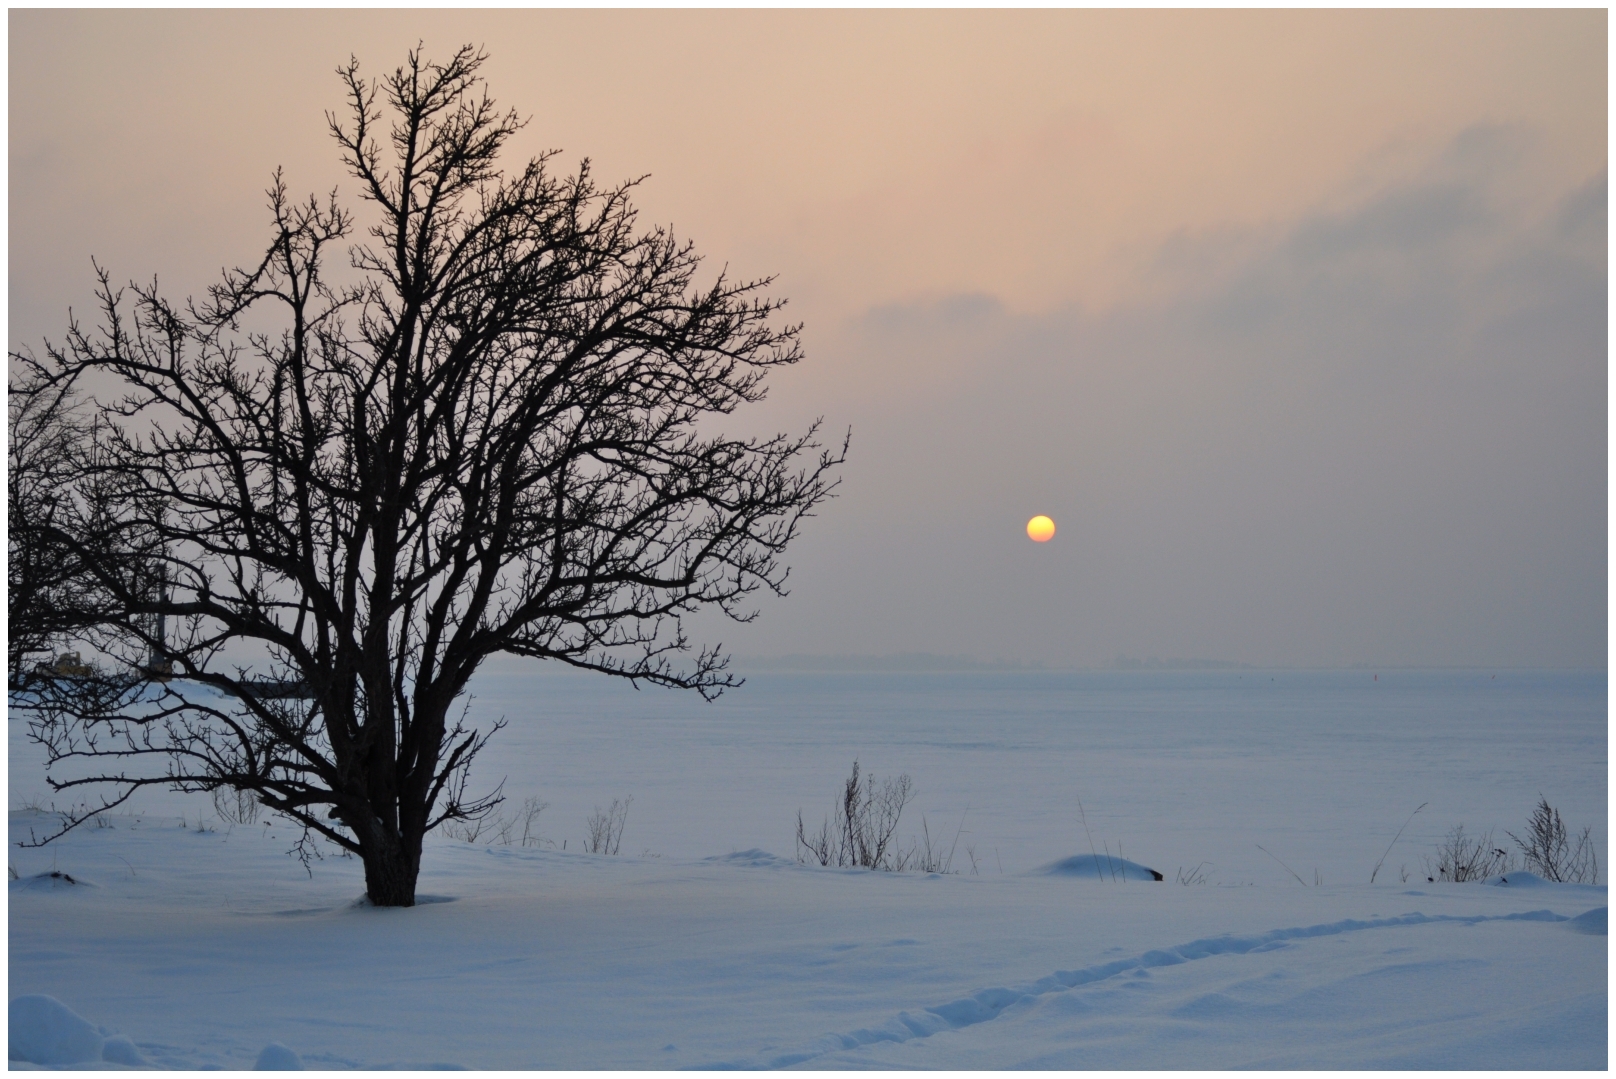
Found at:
<point>1287,868</point>
<point>1393,843</point>
<point>956,840</point>
<point>1085,818</point>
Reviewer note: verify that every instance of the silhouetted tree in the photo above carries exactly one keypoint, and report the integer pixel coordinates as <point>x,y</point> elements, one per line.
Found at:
<point>494,437</point>
<point>51,494</point>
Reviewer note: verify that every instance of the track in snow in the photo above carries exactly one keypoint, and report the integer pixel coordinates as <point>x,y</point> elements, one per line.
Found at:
<point>989,1004</point>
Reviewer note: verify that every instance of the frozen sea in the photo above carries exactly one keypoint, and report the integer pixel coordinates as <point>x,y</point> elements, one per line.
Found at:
<point>704,944</point>
<point>1180,768</point>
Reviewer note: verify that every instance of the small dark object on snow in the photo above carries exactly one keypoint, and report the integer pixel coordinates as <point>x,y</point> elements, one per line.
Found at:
<point>55,875</point>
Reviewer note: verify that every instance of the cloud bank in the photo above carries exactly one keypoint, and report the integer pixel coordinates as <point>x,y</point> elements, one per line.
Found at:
<point>1371,435</point>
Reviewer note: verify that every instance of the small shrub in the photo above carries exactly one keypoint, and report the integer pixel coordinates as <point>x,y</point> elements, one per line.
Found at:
<point>859,831</point>
<point>1550,851</point>
<point>520,829</point>
<point>606,829</point>
<point>529,818</point>
<point>469,829</point>
<point>1464,857</point>
<point>235,806</point>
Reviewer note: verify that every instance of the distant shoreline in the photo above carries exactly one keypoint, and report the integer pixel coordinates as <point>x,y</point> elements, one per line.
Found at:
<point>921,662</point>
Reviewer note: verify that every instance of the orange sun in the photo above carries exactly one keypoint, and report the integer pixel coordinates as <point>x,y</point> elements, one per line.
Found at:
<point>1040,529</point>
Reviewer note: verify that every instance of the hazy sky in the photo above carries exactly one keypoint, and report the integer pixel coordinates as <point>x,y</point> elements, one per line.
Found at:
<point>1295,323</point>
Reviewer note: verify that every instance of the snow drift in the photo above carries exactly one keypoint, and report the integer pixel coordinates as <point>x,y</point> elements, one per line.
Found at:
<point>1098,867</point>
<point>46,1031</point>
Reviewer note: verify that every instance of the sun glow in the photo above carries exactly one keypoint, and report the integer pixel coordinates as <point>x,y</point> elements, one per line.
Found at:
<point>1040,529</point>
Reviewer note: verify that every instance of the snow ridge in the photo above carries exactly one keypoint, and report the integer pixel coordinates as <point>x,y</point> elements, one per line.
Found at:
<point>988,1004</point>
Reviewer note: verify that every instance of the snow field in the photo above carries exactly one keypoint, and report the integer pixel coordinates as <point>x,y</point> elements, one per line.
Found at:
<point>707,945</point>
<point>539,959</point>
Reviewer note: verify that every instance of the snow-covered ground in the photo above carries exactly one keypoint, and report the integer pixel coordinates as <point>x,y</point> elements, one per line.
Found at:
<point>705,944</point>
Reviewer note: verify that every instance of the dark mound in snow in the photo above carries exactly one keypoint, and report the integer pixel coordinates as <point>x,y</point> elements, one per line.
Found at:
<point>50,882</point>
<point>1097,867</point>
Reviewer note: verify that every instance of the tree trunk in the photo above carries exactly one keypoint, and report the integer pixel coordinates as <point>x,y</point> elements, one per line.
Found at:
<point>390,872</point>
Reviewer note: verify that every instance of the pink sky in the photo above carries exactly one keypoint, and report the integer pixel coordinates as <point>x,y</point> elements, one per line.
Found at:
<point>1294,322</point>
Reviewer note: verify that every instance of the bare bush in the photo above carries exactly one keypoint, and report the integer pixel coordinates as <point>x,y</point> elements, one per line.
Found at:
<point>235,806</point>
<point>529,819</point>
<point>606,829</point>
<point>818,847</point>
<point>469,829</point>
<point>1550,851</point>
<point>1464,857</point>
<point>520,829</point>
<point>859,831</point>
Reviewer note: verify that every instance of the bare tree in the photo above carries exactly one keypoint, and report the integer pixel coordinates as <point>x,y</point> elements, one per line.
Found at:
<point>496,439</point>
<point>47,443</point>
